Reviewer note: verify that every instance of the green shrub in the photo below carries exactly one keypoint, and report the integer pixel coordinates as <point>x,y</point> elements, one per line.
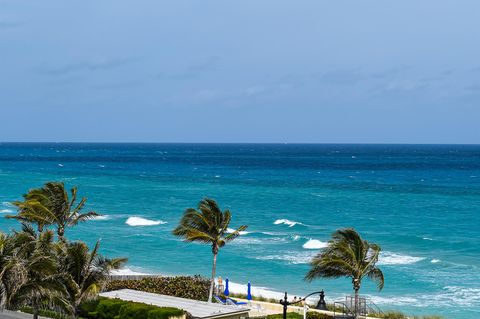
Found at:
<point>133,310</point>
<point>88,308</point>
<point>164,313</point>
<point>109,308</point>
<point>191,287</point>
<point>290,315</point>
<point>46,313</point>
<point>318,315</point>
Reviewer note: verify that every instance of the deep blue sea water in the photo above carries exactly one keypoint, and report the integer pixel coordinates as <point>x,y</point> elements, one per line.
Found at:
<point>421,203</point>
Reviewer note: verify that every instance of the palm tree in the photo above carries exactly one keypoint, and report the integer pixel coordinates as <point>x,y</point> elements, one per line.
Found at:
<point>348,255</point>
<point>33,210</point>
<point>9,276</point>
<point>84,273</point>
<point>51,205</point>
<point>207,225</point>
<point>36,268</point>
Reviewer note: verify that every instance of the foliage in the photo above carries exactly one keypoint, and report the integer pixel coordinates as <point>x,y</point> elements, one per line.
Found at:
<point>191,287</point>
<point>34,261</point>
<point>348,255</point>
<point>84,272</point>
<point>109,308</point>
<point>164,313</point>
<point>51,204</point>
<point>135,310</point>
<point>46,313</point>
<point>105,308</point>
<point>208,225</point>
<point>317,315</point>
<point>257,298</point>
<point>40,274</point>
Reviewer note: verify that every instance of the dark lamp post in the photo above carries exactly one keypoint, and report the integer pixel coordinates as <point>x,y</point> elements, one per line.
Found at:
<point>321,305</point>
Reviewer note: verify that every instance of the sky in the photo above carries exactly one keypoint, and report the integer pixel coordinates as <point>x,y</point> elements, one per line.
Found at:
<point>240,71</point>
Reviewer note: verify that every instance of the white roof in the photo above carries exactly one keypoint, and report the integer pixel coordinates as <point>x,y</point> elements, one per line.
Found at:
<point>200,309</point>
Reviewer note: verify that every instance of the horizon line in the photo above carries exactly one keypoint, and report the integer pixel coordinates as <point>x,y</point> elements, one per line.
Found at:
<point>239,143</point>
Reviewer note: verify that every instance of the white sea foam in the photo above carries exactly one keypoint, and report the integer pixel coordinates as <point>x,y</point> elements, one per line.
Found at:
<point>126,272</point>
<point>434,261</point>
<point>256,291</point>
<point>296,237</point>
<point>314,244</point>
<point>289,223</point>
<point>101,217</point>
<point>61,165</point>
<point>139,221</point>
<point>294,258</point>
<point>450,296</point>
<point>427,238</point>
<point>388,258</point>
<point>5,211</point>
<point>231,230</point>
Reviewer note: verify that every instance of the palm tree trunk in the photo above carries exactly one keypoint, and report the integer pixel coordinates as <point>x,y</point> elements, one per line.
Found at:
<point>212,282</point>
<point>357,310</point>
<point>35,312</point>
<point>61,233</point>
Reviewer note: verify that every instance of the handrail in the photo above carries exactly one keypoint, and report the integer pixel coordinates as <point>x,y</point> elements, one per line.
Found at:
<point>344,306</point>
<point>374,306</point>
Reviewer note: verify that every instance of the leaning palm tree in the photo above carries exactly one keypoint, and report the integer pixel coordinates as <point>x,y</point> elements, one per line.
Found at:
<point>348,255</point>
<point>33,209</point>
<point>207,225</point>
<point>51,204</point>
<point>84,272</point>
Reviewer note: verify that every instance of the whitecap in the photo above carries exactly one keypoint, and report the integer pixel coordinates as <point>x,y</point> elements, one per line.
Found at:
<point>294,258</point>
<point>139,221</point>
<point>434,261</point>
<point>289,223</point>
<point>314,244</point>
<point>61,165</point>
<point>388,258</point>
<point>427,238</point>
<point>126,272</point>
<point>4,211</point>
<point>295,237</point>
<point>450,296</point>
<point>243,232</point>
<point>101,217</point>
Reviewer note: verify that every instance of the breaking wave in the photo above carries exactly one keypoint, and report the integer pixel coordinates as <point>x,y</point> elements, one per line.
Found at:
<point>388,258</point>
<point>289,223</point>
<point>139,221</point>
<point>314,244</point>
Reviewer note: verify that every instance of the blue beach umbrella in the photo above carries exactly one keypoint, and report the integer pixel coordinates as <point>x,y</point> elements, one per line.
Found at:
<point>226,292</point>
<point>249,291</point>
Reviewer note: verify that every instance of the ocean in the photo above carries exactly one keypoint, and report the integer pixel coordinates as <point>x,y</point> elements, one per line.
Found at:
<point>420,203</point>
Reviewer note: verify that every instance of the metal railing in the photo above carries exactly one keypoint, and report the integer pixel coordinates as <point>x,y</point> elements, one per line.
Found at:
<point>346,311</point>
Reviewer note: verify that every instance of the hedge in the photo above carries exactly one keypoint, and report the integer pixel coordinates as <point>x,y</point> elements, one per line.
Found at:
<point>191,287</point>
<point>294,315</point>
<point>105,308</point>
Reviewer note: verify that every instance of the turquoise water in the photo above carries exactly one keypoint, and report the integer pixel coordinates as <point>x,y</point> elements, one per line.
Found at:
<point>420,203</point>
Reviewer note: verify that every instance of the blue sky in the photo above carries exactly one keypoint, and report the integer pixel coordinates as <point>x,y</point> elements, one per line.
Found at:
<point>240,71</point>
